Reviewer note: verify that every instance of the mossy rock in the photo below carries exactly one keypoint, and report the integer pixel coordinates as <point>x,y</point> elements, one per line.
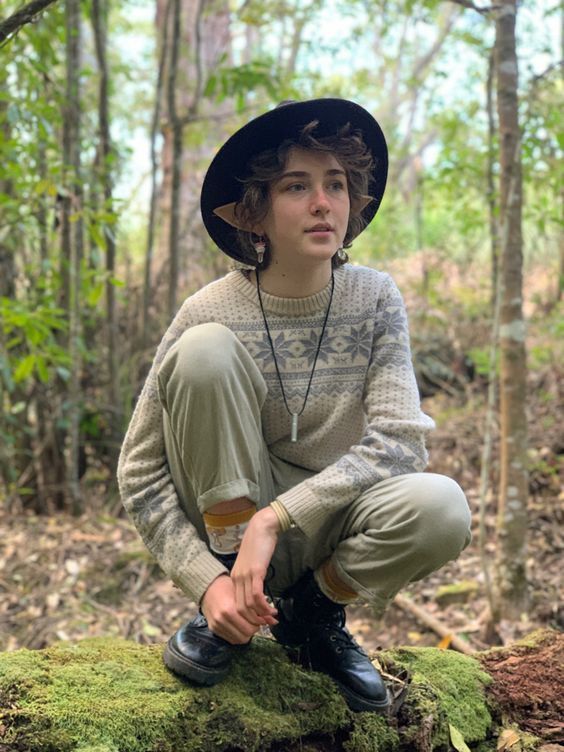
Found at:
<point>456,592</point>
<point>111,695</point>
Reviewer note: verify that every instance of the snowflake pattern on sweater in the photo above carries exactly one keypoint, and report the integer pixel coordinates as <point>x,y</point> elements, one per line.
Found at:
<point>362,423</point>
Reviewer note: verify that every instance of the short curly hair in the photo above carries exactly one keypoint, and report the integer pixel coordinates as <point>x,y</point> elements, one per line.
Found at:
<point>349,150</point>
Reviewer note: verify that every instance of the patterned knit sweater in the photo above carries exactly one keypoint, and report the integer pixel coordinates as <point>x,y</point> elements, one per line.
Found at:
<point>362,422</point>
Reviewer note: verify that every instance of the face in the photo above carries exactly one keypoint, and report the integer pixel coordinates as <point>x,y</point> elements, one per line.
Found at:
<point>309,209</point>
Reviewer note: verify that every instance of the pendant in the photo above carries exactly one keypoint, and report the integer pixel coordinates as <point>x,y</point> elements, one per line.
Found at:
<point>294,433</point>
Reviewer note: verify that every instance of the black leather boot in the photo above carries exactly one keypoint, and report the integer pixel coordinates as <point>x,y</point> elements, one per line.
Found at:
<point>315,626</point>
<point>198,654</point>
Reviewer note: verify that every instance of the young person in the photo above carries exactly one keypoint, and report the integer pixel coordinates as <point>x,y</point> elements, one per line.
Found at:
<point>278,441</point>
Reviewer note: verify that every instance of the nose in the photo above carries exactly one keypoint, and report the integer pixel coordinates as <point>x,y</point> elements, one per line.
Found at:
<point>320,202</point>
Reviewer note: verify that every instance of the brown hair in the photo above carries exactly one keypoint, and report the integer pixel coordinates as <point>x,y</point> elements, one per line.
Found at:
<point>350,151</point>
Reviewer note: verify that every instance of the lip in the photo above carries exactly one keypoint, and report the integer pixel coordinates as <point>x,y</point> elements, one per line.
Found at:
<point>320,228</point>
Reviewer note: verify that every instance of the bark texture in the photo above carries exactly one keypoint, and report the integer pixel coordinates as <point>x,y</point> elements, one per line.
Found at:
<point>99,24</point>
<point>73,239</point>
<point>513,491</point>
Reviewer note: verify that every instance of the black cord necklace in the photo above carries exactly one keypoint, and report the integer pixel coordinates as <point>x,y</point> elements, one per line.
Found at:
<point>295,416</point>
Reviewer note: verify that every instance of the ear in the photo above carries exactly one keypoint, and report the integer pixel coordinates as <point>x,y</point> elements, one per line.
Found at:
<point>360,204</point>
<point>228,213</point>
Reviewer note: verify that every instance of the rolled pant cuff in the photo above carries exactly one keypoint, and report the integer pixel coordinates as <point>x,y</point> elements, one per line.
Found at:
<point>234,489</point>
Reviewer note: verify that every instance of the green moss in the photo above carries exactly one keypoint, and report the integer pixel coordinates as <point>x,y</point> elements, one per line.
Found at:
<point>109,695</point>
<point>531,640</point>
<point>449,688</point>
<point>372,733</point>
<point>457,592</point>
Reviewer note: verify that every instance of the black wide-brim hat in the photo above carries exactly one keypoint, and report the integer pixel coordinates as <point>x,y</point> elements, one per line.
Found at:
<point>223,181</point>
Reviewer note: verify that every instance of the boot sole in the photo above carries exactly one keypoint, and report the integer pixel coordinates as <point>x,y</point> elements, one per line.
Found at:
<point>179,664</point>
<point>359,703</point>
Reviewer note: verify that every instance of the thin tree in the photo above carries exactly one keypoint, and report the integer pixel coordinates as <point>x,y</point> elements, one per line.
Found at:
<point>490,422</point>
<point>154,168</point>
<point>491,183</point>
<point>176,127</point>
<point>72,237</point>
<point>511,579</point>
<point>99,24</point>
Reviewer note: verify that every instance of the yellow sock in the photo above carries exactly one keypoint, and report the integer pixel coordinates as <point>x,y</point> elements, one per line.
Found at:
<point>226,531</point>
<point>333,587</point>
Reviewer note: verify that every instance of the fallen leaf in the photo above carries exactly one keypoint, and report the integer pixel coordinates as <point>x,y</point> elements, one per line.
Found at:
<point>444,644</point>
<point>457,740</point>
<point>507,739</point>
<point>72,566</point>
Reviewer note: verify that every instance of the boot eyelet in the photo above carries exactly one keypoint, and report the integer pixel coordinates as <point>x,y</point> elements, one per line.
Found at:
<point>332,638</point>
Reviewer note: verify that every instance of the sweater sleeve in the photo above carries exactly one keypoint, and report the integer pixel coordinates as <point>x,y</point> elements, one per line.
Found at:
<point>394,439</point>
<point>148,493</point>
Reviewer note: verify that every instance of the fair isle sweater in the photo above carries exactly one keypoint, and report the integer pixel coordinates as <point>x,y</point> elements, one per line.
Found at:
<point>362,422</point>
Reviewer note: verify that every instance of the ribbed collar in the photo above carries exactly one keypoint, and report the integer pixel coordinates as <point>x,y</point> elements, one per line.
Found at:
<point>287,306</point>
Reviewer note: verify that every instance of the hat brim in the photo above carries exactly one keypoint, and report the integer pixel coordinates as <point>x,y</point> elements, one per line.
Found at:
<point>230,166</point>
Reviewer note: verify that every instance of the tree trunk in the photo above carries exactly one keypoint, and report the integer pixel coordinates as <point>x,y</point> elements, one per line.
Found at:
<point>205,38</point>
<point>163,37</point>
<point>99,23</point>
<point>175,126</point>
<point>491,189</point>
<point>513,491</point>
<point>73,238</point>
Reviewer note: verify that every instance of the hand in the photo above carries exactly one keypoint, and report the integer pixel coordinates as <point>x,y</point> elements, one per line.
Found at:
<point>220,609</point>
<point>251,565</point>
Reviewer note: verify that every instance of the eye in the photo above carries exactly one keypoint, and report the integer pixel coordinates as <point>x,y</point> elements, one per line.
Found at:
<point>295,187</point>
<point>337,185</point>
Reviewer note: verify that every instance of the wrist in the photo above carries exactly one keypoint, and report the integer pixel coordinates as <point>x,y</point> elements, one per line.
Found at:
<point>268,518</point>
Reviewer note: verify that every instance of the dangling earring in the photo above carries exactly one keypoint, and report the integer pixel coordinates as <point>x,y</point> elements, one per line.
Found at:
<point>342,254</point>
<point>260,247</point>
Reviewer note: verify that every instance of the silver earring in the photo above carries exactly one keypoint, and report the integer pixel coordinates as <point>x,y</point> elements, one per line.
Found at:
<point>260,248</point>
<point>342,254</point>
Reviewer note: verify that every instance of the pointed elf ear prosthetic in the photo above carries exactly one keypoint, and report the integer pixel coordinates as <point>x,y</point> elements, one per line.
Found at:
<point>358,206</point>
<point>228,213</point>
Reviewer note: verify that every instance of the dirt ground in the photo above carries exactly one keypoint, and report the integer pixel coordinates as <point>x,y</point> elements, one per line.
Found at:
<point>528,685</point>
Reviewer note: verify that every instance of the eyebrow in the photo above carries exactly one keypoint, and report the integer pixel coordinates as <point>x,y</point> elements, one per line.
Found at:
<point>303,174</point>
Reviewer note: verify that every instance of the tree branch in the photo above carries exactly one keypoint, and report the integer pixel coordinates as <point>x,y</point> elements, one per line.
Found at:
<point>469,4</point>
<point>535,79</point>
<point>22,16</point>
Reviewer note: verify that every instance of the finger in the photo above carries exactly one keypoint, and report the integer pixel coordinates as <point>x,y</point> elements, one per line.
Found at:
<point>234,631</point>
<point>243,611</point>
<point>260,603</point>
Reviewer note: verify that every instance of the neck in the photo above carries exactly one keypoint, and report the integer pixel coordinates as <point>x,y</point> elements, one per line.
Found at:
<point>294,283</point>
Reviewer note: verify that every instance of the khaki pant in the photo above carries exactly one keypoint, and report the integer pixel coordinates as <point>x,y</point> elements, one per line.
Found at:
<point>398,531</point>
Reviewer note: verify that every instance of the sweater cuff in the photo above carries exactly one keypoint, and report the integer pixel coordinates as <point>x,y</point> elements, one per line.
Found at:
<point>304,509</point>
<point>198,575</point>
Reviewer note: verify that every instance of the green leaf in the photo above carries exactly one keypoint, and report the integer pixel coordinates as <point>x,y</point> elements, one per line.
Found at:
<point>24,368</point>
<point>457,740</point>
<point>95,294</point>
<point>42,369</point>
